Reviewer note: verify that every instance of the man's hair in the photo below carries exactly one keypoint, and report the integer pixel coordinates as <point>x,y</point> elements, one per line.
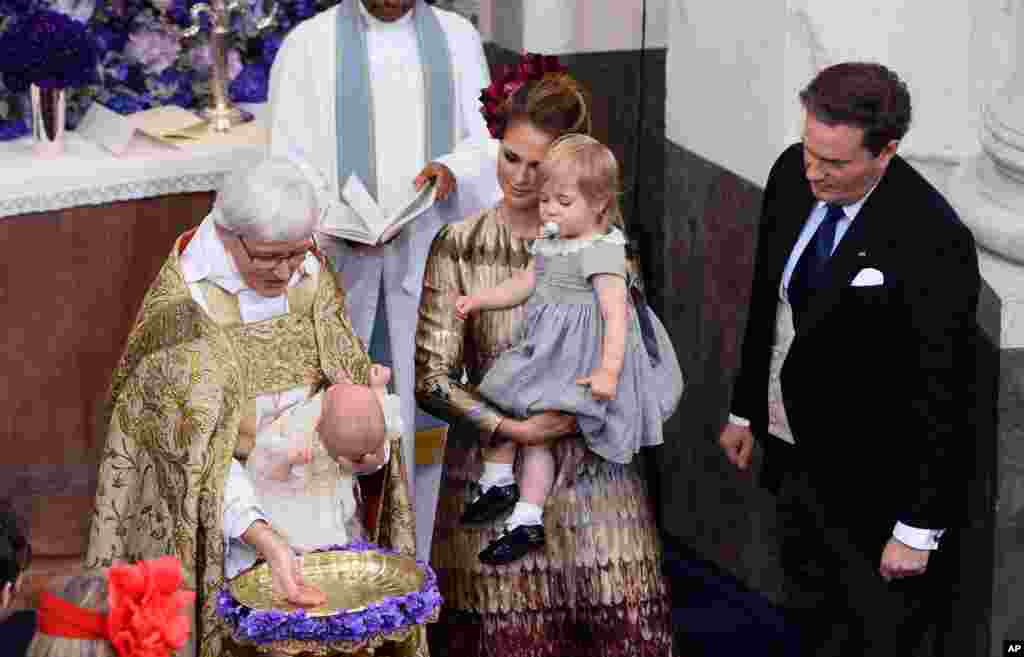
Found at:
<point>556,104</point>
<point>272,201</point>
<point>15,549</point>
<point>89,591</point>
<point>594,167</point>
<point>862,95</point>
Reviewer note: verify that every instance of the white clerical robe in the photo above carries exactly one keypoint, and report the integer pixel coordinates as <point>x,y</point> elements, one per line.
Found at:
<point>303,118</point>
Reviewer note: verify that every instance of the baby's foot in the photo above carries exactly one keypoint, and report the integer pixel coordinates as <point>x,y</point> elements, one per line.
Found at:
<point>380,375</point>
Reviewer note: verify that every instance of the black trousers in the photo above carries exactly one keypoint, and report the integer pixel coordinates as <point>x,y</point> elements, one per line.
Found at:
<point>831,548</point>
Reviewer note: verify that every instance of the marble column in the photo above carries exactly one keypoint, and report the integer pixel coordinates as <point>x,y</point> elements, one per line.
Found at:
<point>988,191</point>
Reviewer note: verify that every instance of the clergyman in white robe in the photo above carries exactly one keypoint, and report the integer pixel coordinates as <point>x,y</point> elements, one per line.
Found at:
<point>304,117</point>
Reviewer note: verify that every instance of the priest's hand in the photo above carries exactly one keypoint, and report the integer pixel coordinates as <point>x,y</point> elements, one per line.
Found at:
<point>738,443</point>
<point>285,567</point>
<point>899,561</point>
<point>441,174</point>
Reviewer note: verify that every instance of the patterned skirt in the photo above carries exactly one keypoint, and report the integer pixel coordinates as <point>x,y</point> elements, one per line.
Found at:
<point>596,589</point>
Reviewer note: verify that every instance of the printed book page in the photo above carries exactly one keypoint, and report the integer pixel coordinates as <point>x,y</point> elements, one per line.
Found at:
<point>365,222</point>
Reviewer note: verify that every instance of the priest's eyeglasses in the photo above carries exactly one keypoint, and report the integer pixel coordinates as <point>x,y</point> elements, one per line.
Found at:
<point>269,262</point>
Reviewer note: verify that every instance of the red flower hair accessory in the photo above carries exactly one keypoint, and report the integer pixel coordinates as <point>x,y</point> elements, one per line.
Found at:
<point>531,66</point>
<point>149,614</point>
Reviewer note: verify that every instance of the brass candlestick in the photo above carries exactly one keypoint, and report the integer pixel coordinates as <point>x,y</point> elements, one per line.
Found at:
<point>221,115</point>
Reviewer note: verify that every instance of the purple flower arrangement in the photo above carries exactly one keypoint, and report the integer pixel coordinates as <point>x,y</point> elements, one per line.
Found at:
<point>138,59</point>
<point>47,49</point>
<point>377,620</point>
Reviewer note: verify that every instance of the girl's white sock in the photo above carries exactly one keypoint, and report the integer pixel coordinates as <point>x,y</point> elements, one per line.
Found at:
<point>524,514</point>
<point>496,474</point>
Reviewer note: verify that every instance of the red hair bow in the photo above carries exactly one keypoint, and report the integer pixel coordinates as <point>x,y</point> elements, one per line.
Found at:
<point>149,614</point>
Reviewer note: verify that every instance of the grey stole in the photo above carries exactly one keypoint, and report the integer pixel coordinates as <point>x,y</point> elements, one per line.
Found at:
<point>354,109</point>
<point>355,126</point>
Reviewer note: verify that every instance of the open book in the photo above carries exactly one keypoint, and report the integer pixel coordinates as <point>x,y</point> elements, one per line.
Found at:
<point>359,219</point>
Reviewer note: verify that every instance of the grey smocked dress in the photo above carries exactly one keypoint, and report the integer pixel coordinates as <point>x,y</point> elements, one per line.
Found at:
<point>562,339</point>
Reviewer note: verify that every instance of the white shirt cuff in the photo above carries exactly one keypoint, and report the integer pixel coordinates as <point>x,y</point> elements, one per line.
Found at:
<point>240,521</point>
<point>739,421</point>
<point>241,504</point>
<point>919,539</point>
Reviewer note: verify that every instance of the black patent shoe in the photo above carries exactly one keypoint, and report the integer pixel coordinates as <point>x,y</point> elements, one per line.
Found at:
<point>513,545</point>
<point>496,501</point>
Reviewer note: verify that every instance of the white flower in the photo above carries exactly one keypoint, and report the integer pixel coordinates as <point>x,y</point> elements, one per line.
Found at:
<point>80,10</point>
<point>153,49</point>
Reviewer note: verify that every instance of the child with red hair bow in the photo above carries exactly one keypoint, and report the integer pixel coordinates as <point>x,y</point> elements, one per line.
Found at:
<point>129,610</point>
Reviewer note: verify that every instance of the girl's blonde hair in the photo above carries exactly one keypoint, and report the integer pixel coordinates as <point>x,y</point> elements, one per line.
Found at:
<point>594,167</point>
<point>89,591</point>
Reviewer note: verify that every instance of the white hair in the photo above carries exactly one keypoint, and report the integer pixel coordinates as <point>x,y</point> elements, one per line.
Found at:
<point>271,202</point>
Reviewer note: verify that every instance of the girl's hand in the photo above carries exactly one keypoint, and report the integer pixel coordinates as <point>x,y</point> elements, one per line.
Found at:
<point>602,382</point>
<point>464,307</point>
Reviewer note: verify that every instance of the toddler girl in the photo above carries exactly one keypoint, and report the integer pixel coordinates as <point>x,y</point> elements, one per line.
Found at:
<point>586,350</point>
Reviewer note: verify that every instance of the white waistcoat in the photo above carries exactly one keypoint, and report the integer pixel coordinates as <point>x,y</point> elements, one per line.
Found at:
<point>778,423</point>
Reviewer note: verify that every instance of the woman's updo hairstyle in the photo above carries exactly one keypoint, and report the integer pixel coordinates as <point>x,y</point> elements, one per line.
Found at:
<point>556,104</point>
<point>540,91</point>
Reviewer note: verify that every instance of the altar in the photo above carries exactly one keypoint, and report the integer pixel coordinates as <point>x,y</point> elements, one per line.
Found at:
<point>81,238</point>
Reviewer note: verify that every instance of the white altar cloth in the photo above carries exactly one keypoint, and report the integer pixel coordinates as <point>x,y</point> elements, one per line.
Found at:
<point>88,174</point>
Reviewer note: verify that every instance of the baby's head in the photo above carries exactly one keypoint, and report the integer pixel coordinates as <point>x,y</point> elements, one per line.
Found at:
<point>352,420</point>
<point>580,187</point>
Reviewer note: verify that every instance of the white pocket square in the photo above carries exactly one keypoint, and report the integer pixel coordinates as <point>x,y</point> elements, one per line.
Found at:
<point>867,277</point>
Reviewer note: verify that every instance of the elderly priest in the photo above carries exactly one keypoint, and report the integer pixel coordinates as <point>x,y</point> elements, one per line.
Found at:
<point>242,322</point>
<point>388,90</point>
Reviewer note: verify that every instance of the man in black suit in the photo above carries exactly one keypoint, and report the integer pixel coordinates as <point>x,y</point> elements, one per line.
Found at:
<point>856,367</point>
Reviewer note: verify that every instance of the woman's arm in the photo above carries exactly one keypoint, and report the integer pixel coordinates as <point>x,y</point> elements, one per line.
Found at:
<point>611,294</point>
<point>440,340</point>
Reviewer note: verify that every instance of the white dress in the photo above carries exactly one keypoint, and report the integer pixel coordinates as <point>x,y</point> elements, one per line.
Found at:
<point>315,505</point>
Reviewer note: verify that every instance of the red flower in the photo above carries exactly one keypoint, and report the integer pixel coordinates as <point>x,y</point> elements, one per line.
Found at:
<point>511,87</point>
<point>531,67</point>
<point>149,615</point>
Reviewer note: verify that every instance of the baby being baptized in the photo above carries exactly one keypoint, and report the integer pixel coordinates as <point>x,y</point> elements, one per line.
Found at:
<point>301,465</point>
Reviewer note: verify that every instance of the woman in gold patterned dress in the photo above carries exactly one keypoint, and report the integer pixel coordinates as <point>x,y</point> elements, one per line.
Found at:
<point>596,588</point>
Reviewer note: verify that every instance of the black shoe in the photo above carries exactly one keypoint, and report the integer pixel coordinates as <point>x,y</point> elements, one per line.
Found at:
<point>513,545</point>
<point>496,501</point>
